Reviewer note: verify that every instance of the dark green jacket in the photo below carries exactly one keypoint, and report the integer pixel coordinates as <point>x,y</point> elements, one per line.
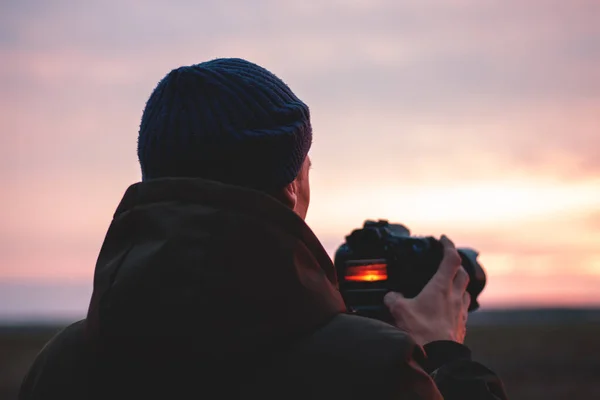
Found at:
<point>204,290</point>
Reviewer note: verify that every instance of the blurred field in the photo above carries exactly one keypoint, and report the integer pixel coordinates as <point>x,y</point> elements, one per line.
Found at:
<point>540,359</point>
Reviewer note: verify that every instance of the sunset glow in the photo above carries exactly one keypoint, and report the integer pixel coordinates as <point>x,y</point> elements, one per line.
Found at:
<point>478,120</point>
<point>367,273</point>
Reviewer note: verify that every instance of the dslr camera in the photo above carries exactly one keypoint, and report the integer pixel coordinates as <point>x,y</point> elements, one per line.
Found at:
<point>382,257</point>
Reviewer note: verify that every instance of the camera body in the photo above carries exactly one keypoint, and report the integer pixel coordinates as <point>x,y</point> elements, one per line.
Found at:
<point>382,257</point>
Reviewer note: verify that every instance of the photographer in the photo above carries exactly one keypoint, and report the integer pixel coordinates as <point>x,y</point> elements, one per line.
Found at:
<point>209,283</point>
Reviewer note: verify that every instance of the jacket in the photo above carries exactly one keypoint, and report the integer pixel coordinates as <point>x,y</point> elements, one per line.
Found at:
<point>205,290</point>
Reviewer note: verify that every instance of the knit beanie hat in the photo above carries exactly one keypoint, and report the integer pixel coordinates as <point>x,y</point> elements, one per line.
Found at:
<point>227,120</point>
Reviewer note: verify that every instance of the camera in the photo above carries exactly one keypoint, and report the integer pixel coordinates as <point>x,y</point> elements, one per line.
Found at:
<point>382,257</point>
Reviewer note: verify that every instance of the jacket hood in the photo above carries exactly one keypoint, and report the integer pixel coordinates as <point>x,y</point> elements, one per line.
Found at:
<point>208,266</point>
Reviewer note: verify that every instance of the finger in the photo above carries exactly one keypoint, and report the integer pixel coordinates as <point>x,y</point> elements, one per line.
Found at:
<point>461,280</point>
<point>466,301</point>
<point>391,299</point>
<point>451,261</point>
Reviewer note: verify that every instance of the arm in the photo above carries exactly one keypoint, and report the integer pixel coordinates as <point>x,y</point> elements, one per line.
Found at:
<point>436,319</point>
<point>439,370</point>
<point>457,376</point>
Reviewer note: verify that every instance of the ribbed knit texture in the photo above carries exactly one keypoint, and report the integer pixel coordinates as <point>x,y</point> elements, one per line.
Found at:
<point>227,120</point>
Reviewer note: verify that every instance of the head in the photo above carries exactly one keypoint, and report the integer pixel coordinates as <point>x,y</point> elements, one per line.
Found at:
<point>231,121</point>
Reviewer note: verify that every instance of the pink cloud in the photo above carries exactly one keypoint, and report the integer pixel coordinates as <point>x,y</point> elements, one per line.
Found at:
<point>403,95</point>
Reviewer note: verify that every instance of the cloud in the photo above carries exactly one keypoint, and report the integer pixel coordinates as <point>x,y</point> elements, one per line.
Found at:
<point>503,82</point>
<point>22,301</point>
<point>563,245</point>
<point>489,47</point>
<point>405,96</point>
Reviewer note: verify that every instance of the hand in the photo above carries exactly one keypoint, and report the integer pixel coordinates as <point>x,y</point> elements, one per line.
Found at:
<point>440,311</point>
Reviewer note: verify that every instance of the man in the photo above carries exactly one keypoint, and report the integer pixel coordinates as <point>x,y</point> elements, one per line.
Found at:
<point>209,283</point>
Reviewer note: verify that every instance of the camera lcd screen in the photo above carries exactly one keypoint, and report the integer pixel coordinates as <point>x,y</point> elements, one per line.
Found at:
<point>366,270</point>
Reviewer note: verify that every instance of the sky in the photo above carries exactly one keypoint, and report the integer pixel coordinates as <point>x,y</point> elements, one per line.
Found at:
<point>476,119</point>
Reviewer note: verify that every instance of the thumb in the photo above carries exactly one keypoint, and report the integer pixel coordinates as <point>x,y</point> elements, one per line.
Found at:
<point>392,298</point>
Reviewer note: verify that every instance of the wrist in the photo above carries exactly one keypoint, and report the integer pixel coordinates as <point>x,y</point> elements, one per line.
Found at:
<point>442,352</point>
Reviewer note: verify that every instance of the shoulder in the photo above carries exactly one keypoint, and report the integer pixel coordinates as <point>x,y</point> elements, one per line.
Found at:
<point>70,335</point>
<point>66,344</point>
<point>61,360</point>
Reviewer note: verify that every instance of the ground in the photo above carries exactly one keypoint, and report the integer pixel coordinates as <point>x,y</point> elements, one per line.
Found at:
<point>536,361</point>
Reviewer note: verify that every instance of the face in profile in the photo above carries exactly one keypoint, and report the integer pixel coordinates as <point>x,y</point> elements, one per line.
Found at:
<point>303,189</point>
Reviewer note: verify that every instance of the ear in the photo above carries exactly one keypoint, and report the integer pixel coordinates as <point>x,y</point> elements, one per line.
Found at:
<point>289,194</point>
